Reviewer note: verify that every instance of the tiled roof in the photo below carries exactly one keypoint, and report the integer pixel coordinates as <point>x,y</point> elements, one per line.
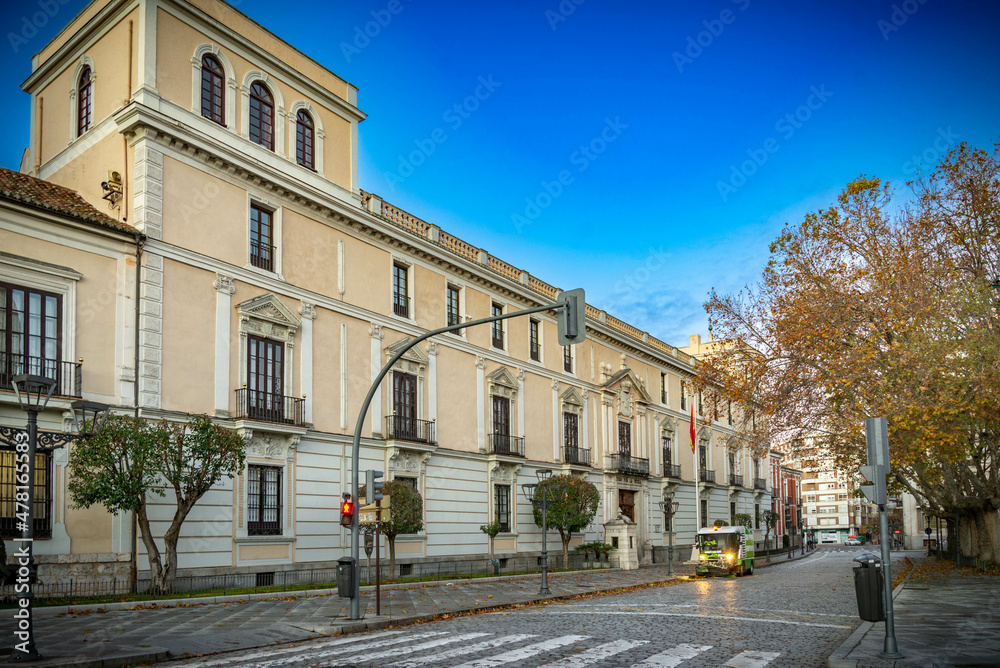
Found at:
<point>44,195</point>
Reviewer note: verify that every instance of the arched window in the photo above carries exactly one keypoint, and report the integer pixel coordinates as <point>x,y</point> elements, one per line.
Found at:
<point>213,97</point>
<point>84,102</point>
<point>261,115</point>
<point>305,140</point>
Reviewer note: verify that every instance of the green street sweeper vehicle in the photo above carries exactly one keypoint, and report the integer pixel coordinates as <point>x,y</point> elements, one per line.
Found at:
<point>726,550</point>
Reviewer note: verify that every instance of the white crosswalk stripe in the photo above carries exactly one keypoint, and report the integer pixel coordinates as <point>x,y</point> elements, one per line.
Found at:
<point>595,654</point>
<point>522,653</point>
<point>750,659</point>
<point>339,651</point>
<point>272,652</point>
<point>365,657</point>
<point>462,651</point>
<point>673,656</point>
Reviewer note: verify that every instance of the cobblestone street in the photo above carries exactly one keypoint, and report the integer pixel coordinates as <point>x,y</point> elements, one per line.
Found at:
<point>790,614</point>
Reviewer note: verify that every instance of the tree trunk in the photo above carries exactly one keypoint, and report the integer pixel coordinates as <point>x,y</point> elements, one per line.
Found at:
<point>392,555</point>
<point>152,552</point>
<point>566,538</point>
<point>981,535</point>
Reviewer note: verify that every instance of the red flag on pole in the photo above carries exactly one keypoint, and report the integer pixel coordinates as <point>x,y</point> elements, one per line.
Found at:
<point>692,427</point>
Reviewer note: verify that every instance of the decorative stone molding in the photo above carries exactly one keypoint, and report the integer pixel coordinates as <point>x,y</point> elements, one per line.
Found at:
<point>433,349</point>
<point>231,85</point>
<point>504,471</point>
<point>625,402</point>
<point>224,284</point>
<point>480,361</point>
<point>267,316</point>
<point>408,460</point>
<point>376,332</point>
<point>307,310</point>
<point>502,383</point>
<point>269,445</point>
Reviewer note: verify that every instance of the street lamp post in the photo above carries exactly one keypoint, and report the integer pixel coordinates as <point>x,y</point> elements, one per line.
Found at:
<point>33,393</point>
<point>669,509</point>
<point>528,489</point>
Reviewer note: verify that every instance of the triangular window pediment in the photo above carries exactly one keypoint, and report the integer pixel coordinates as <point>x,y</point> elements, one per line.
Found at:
<point>268,316</point>
<point>504,378</point>
<point>414,354</point>
<point>627,380</point>
<point>572,397</point>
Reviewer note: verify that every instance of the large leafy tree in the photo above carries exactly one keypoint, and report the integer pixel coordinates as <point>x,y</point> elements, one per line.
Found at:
<point>130,458</point>
<point>572,506</point>
<point>875,308</point>
<point>406,515</point>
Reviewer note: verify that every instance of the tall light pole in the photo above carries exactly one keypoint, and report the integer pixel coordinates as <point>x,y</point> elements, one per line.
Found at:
<point>669,509</point>
<point>33,393</point>
<point>528,489</point>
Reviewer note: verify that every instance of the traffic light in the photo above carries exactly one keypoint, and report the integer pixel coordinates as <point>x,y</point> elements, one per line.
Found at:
<point>347,510</point>
<point>572,319</point>
<point>373,486</point>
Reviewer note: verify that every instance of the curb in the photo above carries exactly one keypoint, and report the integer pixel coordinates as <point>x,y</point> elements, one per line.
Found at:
<point>57,610</point>
<point>839,657</point>
<point>352,626</point>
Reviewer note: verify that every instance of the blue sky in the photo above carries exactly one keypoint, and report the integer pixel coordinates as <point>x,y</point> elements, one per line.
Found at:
<point>645,151</point>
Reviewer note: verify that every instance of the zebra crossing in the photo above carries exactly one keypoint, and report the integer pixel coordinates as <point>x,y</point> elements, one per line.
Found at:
<point>398,649</point>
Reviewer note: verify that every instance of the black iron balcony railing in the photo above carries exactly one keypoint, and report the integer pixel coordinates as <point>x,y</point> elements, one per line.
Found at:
<point>497,338</point>
<point>401,306</point>
<point>760,483</point>
<point>671,470</point>
<point>262,255</point>
<point>574,455</point>
<point>534,351</point>
<point>628,464</point>
<point>775,494</point>
<point>790,500</point>
<point>706,475</point>
<point>735,480</point>
<point>505,444</point>
<point>410,429</point>
<point>663,397</point>
<point>66,374</point>
<point>268,406</point>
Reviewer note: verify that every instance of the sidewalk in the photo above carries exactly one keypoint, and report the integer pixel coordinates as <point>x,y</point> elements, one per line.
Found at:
<point>942,616</point>
<point>122,634</point>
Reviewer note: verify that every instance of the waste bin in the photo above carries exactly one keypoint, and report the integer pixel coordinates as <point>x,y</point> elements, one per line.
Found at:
<point>868,588</point>
<point>495,563</point>
<point>345,577</point>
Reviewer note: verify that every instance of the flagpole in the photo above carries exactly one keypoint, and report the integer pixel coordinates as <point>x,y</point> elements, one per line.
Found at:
<point>697,476</point>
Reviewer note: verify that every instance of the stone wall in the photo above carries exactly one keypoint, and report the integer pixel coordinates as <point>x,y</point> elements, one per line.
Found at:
<point>104,567</point>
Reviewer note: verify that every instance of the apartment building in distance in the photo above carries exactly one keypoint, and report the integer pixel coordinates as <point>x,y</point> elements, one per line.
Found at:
<point>242,272</point>
<point>831,512</point>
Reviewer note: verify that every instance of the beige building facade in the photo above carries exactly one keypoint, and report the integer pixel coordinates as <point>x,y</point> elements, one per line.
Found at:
<point>272,289</point>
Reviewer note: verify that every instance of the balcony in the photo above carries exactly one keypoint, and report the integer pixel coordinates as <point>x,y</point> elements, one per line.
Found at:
<point>760,483</point>
<point>573,455</point>
<point>628,464</point>
<point>505,444</point>
<point>262,255</point>
<point>66,374</point>
<point>706,475</point>
<point>672,471</point>
<point>268,407</point>
<point>735,480</point>
<point>790,500</point>
<point>663,397</point>
<point>410,429</point>
<point>401,306</point>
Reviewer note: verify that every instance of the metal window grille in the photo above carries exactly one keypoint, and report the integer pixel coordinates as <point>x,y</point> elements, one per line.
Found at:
<point>452,306</point>
<point>567,359</point>
<point>9,527</point>
<point>497,326</point>
<point>400,291</point>
<point>264,500</point>
<point>501,506</point>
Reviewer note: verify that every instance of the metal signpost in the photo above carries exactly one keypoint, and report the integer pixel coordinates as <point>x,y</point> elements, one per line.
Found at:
<point>877,438</point>
<point>570,313</point>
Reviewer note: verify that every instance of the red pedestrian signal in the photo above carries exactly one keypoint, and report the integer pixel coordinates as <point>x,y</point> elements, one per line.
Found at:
<point>347,510</point>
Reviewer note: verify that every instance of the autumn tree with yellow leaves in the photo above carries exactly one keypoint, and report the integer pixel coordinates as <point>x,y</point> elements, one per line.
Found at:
<point>884,304</point>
